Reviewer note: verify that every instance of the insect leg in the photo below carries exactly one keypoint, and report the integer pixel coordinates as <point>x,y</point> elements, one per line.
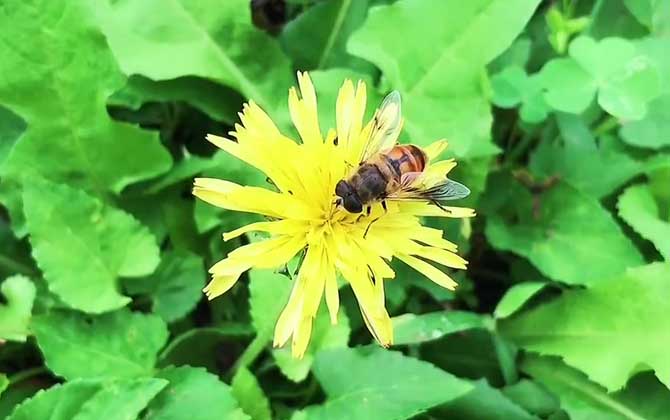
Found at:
<point>367,229</point>
<point>368,210</point>
<point>437,203</point>
<point>384,206</point>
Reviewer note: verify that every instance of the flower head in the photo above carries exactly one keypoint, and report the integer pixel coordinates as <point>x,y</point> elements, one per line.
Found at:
<point>303,215</point>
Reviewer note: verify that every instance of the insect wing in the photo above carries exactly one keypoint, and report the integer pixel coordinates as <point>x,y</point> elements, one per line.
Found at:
<point>443,191</point>
<point>386,127</point>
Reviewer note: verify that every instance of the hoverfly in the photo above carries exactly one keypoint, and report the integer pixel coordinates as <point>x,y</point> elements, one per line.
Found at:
<point>390,171</point>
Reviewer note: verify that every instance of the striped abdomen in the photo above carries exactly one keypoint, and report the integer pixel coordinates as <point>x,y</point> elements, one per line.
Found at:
<point>380,176</point>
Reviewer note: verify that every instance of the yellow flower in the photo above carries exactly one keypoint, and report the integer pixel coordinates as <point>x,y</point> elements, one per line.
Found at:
<point>302,215</point>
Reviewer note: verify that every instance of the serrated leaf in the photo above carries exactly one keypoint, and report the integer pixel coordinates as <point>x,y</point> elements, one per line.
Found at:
<point>316,39</point>
<point>437,66</point>
<point>533,397</point>
<point>625,80</point>
<point>483,403</point>
<point>193,393</point>
<point>19,294</point>
<point>412,329</point>
<point>213,40</point>
<point>594,167</point>
<point>643,398</point>
<point>513,87</point>
<point>70,138</point>
<point>639,209</point>
<point>86,399</point>
<point>624,315</point>
<point>79,240</point>
<point>117,344</point>
<point>567,235</point>
<point>515,297</point>
<point>324,336</point>
<point>653,131</point>
<point>374,383</point>
<point>176,286</point>
<point>250,395</point>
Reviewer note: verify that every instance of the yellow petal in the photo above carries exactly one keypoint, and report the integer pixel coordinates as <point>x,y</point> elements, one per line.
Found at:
<point>304,113</point>
<point>231,196</point>
<point>436,172</point>
<point>288,319</point>
<point>278,227</point>
<point>427,209</point>
<point>435,149</point>
<point>220,285</point>
<point>440,256</point>
<point>301,337</point>
<point>313,269</point>
<point>429,271</point>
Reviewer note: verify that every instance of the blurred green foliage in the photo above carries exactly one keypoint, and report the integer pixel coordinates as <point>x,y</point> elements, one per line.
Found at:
<point>558,112</point>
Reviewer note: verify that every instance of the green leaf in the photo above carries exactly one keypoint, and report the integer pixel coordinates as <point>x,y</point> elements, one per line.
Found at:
<point>19,293</point>
<point>250,395</point>
<point>324,336</point>
<point>625,80</point>
<point>212,39</point>
<point>90,399</point>
<point>411,329</point>
<point>118,344</point>
<point>4,383</point>
<point>175,287</point>
<point>594,167</point>
<point>316,39</point>
<point>624,315</point>
<point>268,294</point>
<point>653,14</point>
<point>643,398</point>
<point>513,86</point>
<point>653,131</point>
<point>374,383</point>
<point>639,209</point>
<point>438,65</point>
<point>217,101</point>
<point>533,397</point>
<point>193,393</point>
<point>517,296</point>
<point>567,235</point>
<point>68,118</point>
<point>76,238</point>
<point>483,403</point>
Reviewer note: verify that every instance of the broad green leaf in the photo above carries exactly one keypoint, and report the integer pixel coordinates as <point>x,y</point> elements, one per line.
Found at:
<point>513,87</point>
<point>82,245</point>
<point>217,101</point>
<point>594,167</point>
<point>117,344</point>
<point>437,65</point>
<point>515,297</point>
<point>268,294</point>
<point>11,128</point>
<point>566,234</point>
<point>206,38</point>
<point>653,131</point>
<point>374,383</point>
<point>533,397</point>
<point>653,14</point>
<point>19,295</point>
<point>625,80</point>
<point>316,39</point>
<point>638,208</point>
<point>483,403</point>
<point>70,138</point>
<point>90,399</point>
<point>324,336</point>
<point>4,383</point>
<point>644,398</point>
<point>250,395</point>
<point>176,286</point>
<point>193,393</point>
<point>410,328</point>
<point>625,315</point>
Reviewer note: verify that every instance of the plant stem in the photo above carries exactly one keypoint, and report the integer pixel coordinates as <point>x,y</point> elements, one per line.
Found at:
<point>606,125</point>
<point>253,350</point>
<point>16,267</point>
<point>520,148</point>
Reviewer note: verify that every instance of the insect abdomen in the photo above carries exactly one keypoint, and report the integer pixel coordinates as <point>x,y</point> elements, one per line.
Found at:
<point>406,158</point>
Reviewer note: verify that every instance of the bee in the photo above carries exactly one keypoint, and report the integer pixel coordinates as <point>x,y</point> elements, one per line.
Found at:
<point>389,171</point>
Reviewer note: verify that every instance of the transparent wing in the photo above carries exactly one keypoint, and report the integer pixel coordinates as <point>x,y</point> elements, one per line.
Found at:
<point>387,123</point>
<point>443,191</point>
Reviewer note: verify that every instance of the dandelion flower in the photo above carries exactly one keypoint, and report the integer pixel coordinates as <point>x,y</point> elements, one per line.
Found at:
<point>303,216</point>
